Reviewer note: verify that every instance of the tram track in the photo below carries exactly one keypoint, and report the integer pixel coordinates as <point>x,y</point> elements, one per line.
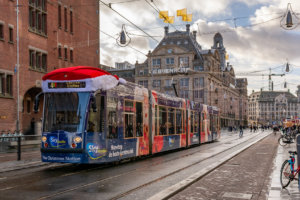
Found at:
<point>123,194</point>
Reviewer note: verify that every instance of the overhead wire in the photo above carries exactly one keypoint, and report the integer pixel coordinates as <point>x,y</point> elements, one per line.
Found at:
<point>128,45</point>
<point>129,21</point>
<point>158,10</point>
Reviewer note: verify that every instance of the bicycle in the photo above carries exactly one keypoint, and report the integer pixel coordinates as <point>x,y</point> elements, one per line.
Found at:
<point>288,172</point>
<point>287,138</point>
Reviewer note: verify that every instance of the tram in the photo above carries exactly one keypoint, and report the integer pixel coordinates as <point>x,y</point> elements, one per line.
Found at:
<point>92,116</point>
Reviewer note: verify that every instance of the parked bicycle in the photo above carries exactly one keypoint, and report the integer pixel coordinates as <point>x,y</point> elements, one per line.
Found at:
<point>287,138</point>
<point>288,173</point>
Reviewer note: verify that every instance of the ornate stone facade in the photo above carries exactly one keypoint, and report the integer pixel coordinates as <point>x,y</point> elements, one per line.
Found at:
<point>272,107</point>
<point>197,74</point>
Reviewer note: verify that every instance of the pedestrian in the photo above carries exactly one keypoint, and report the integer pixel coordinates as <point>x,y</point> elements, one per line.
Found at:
<point>241,131</point>
<point>250,128</point>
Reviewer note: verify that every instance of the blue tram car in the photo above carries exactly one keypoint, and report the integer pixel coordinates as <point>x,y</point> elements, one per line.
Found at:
<point>91,116</point>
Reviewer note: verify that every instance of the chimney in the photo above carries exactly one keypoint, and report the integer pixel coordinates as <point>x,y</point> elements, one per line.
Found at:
<point>195,34</point>
<point>188,28</point>
<point>166,30</point>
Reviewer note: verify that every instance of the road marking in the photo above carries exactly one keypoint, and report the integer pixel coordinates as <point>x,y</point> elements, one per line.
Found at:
<point>2,189</point>
<point>237,195</point>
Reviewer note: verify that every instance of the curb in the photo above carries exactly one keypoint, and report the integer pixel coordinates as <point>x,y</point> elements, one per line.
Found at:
<point>171,191</point>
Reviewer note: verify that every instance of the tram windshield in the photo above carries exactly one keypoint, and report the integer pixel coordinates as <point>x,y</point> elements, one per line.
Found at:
<point>65,111</point>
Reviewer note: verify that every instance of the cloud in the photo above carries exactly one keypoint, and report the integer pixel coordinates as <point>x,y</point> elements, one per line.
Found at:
<point>256,44</point>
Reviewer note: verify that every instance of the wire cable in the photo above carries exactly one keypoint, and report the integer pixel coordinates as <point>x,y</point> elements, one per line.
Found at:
<point>158,11</point>
<point>129,21</point>
<point>128,45</point>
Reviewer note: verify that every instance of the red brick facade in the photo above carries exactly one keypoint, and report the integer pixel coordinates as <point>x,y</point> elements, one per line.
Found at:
<point>40,38</point>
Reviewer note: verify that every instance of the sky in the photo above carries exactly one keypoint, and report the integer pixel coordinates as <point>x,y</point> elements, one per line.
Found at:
<point>254,41</point>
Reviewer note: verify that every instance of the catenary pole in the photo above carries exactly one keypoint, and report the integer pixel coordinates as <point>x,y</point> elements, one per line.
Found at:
<point>18,74</point>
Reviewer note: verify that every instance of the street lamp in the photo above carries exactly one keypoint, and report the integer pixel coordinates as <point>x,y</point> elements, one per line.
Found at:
<point>289,20</point>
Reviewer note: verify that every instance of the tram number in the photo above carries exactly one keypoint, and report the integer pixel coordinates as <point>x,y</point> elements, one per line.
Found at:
<point>76,84</point>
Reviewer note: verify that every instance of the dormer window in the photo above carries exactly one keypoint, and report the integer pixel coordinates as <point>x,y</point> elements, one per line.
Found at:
<point>164,43</point>
<point>170,50</point>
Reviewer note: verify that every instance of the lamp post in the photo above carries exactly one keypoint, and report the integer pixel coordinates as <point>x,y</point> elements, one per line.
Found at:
<point>18,73</point>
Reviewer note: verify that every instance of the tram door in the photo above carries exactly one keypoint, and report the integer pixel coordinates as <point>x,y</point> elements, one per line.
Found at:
<point>95,127</point>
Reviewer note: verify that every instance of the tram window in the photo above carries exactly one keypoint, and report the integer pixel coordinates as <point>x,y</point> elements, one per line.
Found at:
<point>196,122</point>
<point>102,111</point>
<point>171,121</point>
<point>129,126</point>
<point>211,122</point>
<point>94,120</point>
<point>162,120</point>
<point>156,120</point>
<point>202,122</point>
<point>112,117</point>
<point>178,121</point>
<point>139,119</point>
<point>192,122</point>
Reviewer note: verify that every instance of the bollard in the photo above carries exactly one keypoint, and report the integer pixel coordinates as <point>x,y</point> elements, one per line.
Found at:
<point>19,148</point>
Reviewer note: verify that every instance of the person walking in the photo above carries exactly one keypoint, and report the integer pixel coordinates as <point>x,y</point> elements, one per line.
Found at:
<point>241,131</point>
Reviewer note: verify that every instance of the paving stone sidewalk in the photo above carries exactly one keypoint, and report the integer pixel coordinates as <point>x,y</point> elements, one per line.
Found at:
<point>245,176</point>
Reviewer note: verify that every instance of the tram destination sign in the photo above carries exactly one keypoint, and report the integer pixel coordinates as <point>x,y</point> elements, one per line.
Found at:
<point>76,84</point>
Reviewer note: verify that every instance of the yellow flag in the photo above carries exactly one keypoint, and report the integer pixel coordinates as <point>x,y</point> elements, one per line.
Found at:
<point>169,19</point>
<point>187,18</point>
<point>181,12</point>
<point>163,14</point>
<point>226,56</point>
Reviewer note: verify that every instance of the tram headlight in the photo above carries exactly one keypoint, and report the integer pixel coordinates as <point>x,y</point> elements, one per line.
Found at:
<point>44,139</point>
<point>77,139</point>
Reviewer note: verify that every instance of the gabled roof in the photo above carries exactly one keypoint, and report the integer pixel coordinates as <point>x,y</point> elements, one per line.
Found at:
<point>173,37</point>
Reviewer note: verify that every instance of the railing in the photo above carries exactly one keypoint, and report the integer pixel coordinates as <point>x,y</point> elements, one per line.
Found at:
<point>10,142</point>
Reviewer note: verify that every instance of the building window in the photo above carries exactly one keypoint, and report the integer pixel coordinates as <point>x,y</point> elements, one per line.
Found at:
<point>66,18</point>
<point>169,61</point>
<point>59,51</point>
<point>156,84</point>
<point>11,35</point>
<point>199,94</point>
<point>71,21</point>
<point>44,62</point>
<point>1,32</point>
<point>71,55</point>
<point>199,68</point>
<point>38,16</point>
<point>6,85</point>
<point>184,94</point>
<point>199,82</point>
<point>184,82</point>
<point>66,53</point>
<point>2,81</point>
<point>184,61</point>
<point>156,62</point>
<point>59,16</point>
<point>9,85</point>
<point>168,83</point>
<point>37,60</point>
<point>143,83</point>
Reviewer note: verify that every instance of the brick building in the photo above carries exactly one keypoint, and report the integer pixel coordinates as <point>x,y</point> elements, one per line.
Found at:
<point>52,34</point>
<point>200,75</point>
